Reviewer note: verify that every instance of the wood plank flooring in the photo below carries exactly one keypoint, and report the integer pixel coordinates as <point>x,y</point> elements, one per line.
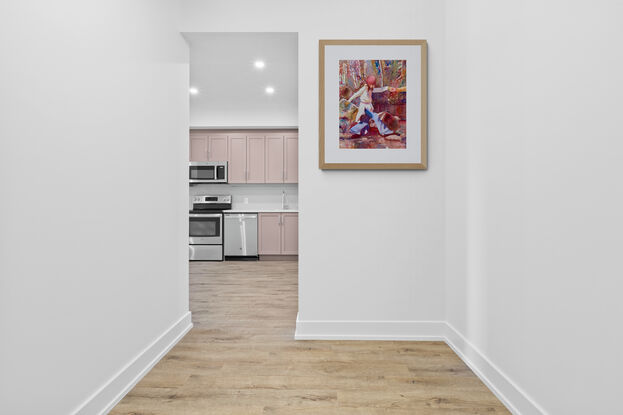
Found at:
<point>241,358</point>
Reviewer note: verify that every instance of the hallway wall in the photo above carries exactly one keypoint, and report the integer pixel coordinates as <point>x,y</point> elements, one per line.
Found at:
<point>534,197</point>
<point>371,242</point>
<point>93,274</point>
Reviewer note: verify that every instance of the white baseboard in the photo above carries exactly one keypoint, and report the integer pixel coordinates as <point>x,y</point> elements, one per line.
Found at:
<point>511,395</point>
<point>508,392</point>
<point>106,397</point>
<point>369,330</point>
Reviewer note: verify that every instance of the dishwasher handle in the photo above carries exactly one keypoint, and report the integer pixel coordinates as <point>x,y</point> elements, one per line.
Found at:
<point>242,215</point>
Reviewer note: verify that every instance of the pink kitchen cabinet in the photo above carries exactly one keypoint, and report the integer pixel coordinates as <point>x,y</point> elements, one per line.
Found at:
<point>289,233</point>
<point>256,159</point>
<point>217,147</point>
<point>291,158</point>
<point>274,159</point>
<point>278,234</point>
<point>198,147</point>
<point>253,156</point>
<point>237,158</point>
<point>269,234</point>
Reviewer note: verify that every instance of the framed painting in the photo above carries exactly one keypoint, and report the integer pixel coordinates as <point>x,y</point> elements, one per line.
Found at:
<point>373,104</point>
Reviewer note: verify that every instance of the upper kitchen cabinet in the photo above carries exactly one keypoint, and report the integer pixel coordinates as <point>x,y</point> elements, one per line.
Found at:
<point>254,156</point>
<point>198,146</point>
<point>237,159</point>
<point>217,147</point>
<point>282,158</point>
<point>291,158</point>
<point>275,172</point>
<point>256,159</point>
<point>208,147</point>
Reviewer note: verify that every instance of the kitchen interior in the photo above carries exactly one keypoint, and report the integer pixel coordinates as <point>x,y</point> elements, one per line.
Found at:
<point>243,140</point>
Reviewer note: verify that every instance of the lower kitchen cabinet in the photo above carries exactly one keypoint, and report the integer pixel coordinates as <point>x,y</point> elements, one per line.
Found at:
<point>269,234</point>
<point>278,234</point>
<point>289,233</point>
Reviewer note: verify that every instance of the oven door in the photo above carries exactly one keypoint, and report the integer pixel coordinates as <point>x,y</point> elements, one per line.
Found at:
<point>205,229</point>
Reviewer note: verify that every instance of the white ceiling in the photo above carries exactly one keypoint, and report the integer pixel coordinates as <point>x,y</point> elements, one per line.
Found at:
<point>232,90</point>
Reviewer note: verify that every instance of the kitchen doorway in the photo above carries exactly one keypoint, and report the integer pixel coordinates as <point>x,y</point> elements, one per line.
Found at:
<point>243,181</point>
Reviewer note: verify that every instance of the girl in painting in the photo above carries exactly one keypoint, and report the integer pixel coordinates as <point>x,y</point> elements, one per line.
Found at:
<point>365,96</point>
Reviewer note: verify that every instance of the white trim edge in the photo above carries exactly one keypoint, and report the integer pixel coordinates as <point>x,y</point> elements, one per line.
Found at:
<point>244,127</point>
<point>108,395</point>
<point>516,400</point>
<point>369,330</point>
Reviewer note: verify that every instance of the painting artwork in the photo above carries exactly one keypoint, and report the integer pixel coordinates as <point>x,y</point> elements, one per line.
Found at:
<point>372,104</point>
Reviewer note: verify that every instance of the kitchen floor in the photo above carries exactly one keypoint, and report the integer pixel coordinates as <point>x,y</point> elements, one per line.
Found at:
<point>241,358</point>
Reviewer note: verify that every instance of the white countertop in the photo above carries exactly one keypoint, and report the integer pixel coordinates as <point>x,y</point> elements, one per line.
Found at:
<point>258,209</point>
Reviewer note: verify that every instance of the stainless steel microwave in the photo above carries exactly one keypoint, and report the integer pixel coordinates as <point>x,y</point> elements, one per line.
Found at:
<point>207,172</point>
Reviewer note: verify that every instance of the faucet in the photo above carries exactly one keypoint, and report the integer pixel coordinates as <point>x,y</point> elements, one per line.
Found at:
<point>284,199</point>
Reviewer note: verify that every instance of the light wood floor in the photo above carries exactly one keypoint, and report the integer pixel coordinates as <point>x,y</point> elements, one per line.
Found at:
<point>240,358</point>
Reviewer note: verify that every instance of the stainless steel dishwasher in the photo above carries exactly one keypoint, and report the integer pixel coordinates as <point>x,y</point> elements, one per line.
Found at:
<point>241,235</point>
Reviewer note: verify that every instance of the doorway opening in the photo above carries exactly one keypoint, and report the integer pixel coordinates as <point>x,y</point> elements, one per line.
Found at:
<point>243,183</point>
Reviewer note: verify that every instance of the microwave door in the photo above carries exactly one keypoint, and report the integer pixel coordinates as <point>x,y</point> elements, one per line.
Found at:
<point>202,173</point>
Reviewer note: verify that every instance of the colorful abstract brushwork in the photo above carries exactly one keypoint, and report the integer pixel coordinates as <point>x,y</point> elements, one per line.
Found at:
<point>373,104</point>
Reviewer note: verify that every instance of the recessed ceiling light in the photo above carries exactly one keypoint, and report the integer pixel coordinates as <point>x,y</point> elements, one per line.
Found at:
<point>193,91</point>
<point>259,64</point>
<point>270,90</point>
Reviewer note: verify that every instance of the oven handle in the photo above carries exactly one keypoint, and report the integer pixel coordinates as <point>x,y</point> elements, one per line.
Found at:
<point>205,215</point>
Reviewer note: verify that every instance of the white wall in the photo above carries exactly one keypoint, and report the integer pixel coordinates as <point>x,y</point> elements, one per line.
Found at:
<point>534,195</point>
<point>93,106</point>
<point>371,242</point>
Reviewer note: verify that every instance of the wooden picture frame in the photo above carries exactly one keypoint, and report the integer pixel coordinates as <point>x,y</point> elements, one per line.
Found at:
<point>341,142</point>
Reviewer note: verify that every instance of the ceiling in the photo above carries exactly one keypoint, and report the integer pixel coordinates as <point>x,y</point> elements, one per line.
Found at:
<point>232,91</point>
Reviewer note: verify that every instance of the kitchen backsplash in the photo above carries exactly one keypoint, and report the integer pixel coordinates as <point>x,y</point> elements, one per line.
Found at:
<point>267,196</point>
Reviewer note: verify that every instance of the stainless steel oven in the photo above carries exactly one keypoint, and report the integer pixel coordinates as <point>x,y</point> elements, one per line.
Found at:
<point>205,223</point>
<point>207,172</point>
<point>205,252</point>
<point>205,229</point>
